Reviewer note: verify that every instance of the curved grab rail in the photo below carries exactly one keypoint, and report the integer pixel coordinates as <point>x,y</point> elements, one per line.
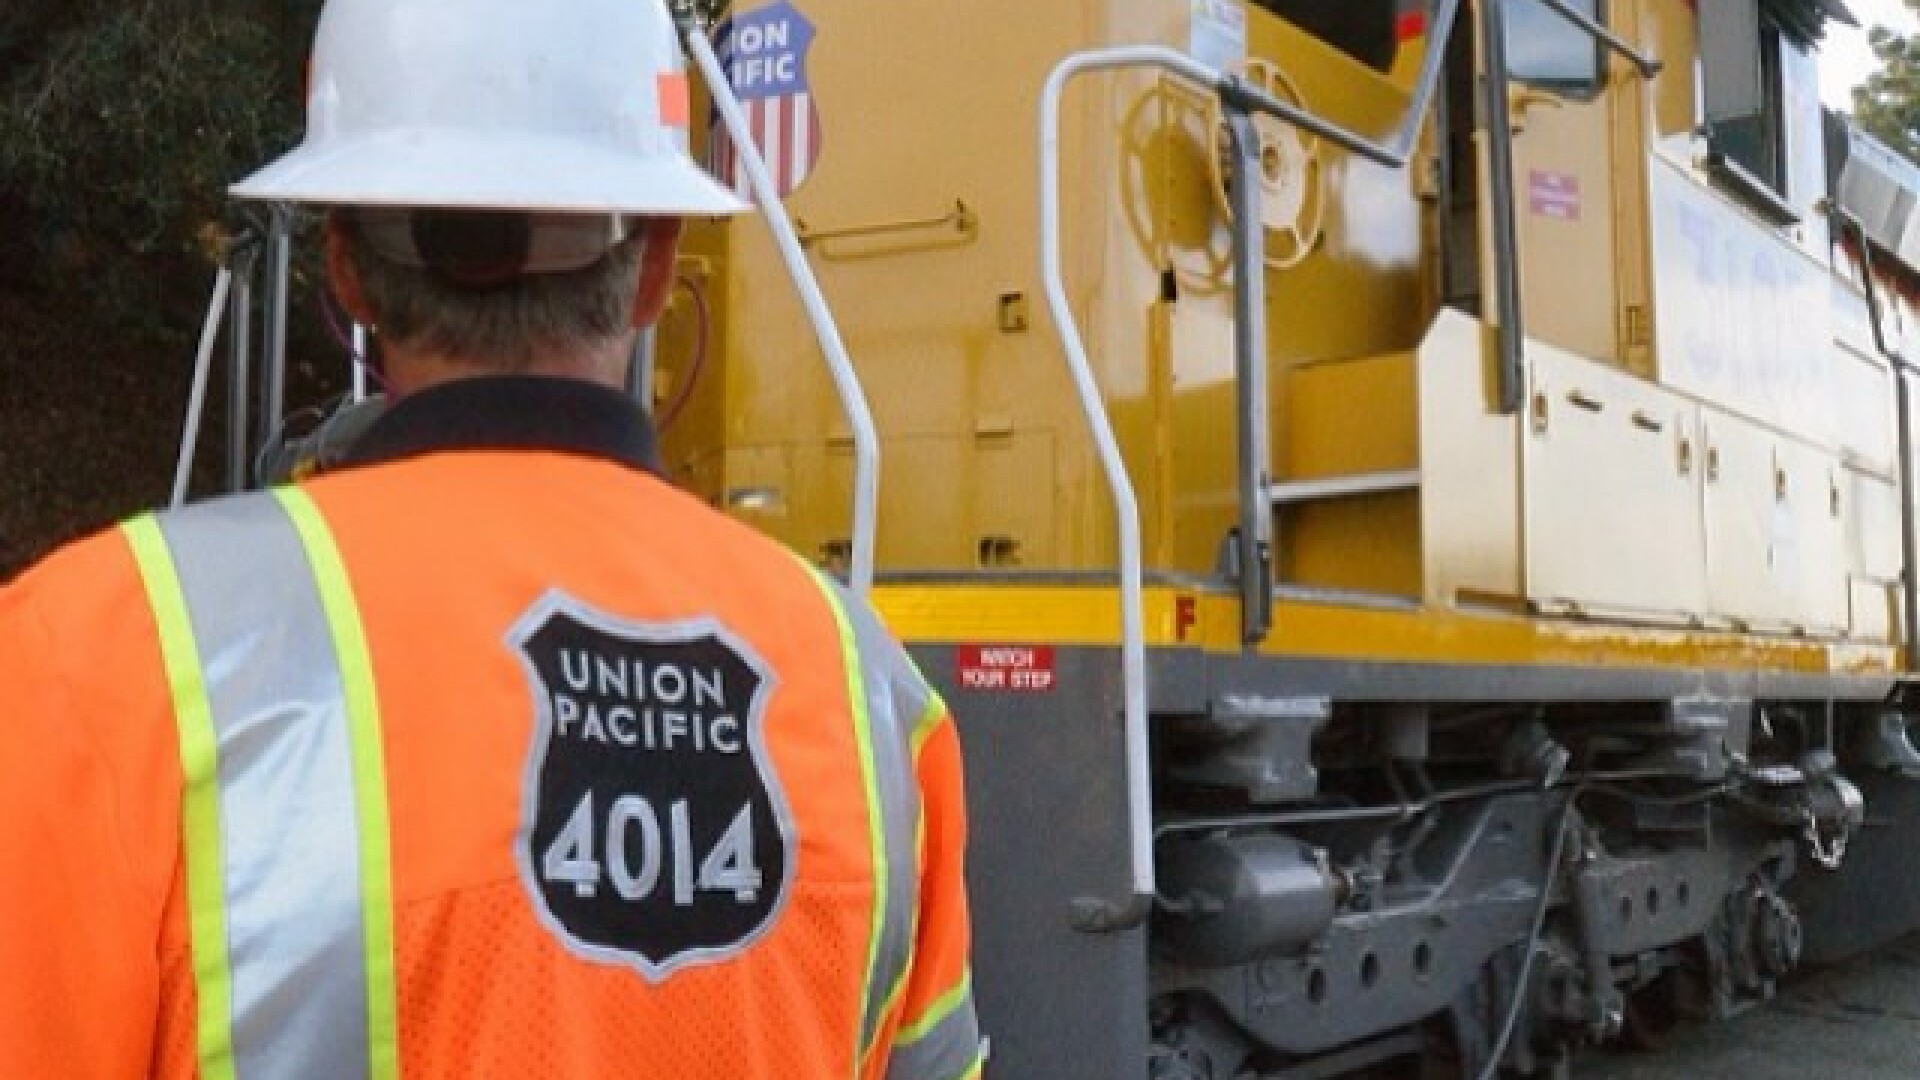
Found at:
<point>1243,97</point>
<point>1126,504</point>
<point>197,394</point>
<point>846,381</point>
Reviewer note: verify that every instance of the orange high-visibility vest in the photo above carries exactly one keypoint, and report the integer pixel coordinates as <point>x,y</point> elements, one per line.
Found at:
<point>470,765</point>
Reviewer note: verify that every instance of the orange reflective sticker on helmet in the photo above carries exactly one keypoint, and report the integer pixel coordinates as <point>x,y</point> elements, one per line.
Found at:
<point>676,105</point>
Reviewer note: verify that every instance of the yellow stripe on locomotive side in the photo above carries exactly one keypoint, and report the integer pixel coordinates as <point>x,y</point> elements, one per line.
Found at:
<point>1177,618</point>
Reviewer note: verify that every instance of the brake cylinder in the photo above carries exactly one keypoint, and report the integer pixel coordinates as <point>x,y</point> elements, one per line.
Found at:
<point>1230,899</point>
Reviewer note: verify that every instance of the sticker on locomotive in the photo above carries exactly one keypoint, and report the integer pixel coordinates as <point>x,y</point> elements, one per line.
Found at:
<point>653,830</point>
<point>1016,669</point>
<point>765,54</point>
<point>1553,195</point>
<point>1218,35</point>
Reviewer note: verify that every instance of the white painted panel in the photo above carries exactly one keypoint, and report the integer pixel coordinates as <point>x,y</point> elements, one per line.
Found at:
<point>1613,520</point>
<point>1743,316</point>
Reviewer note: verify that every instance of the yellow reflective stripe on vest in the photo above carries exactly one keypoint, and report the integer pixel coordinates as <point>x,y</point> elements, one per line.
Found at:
<point>877,675</point>
<point>942,1045</point>
<point>285,823</point>
<point>199,799</point>
<point>934,711</point>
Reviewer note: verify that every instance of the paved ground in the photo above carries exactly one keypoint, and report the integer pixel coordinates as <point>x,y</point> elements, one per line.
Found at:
<point>1859,1021</point>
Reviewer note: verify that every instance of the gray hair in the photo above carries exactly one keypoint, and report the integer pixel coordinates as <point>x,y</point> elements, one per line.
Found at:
<point>503,326</point>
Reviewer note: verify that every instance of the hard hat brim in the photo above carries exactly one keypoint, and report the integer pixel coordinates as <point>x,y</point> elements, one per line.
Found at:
<point>471,170</point>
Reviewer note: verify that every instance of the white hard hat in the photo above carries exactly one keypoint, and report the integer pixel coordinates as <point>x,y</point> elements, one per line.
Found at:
<point>562,106</point>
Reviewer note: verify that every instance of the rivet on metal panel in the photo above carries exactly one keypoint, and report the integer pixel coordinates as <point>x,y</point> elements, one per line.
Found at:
<point>1015,315</point>
<point>836,556</point>
<point>999,550</point>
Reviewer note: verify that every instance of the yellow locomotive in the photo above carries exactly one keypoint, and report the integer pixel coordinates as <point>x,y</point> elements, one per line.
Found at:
<point>1411,503</point>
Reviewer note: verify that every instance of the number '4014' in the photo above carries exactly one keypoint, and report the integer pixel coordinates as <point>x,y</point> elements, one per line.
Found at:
<point>636,853</point>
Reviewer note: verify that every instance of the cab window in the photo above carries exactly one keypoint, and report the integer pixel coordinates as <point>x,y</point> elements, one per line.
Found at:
<point>1757,139</point>
<point>1546,50</point>
<point>1743,85</point>
<point>1740,76</point>
<point>1363,29</point>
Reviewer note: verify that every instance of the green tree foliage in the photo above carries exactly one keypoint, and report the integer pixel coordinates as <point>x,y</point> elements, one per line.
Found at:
<point>121,126</point>
<point>1888,104</point>
<point>122,122</point>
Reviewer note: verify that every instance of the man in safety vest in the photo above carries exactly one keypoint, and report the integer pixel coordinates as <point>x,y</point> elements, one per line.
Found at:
<point>491,755</point>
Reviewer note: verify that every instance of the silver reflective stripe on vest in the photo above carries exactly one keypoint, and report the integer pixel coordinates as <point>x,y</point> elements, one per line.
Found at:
<point>948,1050</point>
<point>289,845</point>
<point>896,698</point>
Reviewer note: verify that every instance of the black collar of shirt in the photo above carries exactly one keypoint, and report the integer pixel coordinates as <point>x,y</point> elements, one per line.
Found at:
<point>565,416</point>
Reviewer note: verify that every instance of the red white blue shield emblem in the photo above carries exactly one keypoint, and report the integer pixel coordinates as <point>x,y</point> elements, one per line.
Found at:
<point>765,54</point>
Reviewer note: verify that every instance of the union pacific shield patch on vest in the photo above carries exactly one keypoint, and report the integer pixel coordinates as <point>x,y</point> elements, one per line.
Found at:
<point>653,831</point>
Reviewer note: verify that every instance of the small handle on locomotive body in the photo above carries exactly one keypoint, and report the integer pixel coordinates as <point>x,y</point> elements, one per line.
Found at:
<point>1580,399</point>
<point>959,219</point>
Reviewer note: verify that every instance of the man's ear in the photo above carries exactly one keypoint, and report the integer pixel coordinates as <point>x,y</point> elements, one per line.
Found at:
<point>342,277</point>
<point>656,270</point>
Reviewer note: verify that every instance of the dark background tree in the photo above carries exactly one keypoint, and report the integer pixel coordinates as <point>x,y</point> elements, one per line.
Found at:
<point>121,124</point>
<point>1888,103</point>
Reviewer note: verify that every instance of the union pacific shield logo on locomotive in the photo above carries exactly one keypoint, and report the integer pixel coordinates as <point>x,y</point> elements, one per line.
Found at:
<point>765,54</point>
<point>653,830</point>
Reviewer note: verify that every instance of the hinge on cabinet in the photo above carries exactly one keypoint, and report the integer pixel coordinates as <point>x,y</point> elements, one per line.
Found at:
<point>1637,326</point>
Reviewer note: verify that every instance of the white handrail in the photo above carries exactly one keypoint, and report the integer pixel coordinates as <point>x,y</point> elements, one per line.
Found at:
<point>359,363</point>
<point>275,308</point>
<point>197,397</point>
<point>846,381</point>
<point>1391,152</point>
<point>1126,505</point>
